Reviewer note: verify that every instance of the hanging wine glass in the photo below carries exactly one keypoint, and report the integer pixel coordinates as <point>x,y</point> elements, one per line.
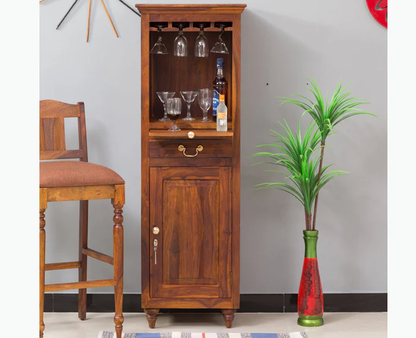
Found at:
<point>159,47</point>
<point>220,46</point>
<point>180,45</point>
<point>163,97</point>
<point>205,101</point>
<point>188,97</point>
<point>201,44</point>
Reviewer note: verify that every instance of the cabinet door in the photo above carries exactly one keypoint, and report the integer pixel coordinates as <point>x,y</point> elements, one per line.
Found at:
<point>191,207</point>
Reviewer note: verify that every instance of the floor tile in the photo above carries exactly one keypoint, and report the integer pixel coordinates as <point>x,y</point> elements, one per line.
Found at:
<point>336,325</point>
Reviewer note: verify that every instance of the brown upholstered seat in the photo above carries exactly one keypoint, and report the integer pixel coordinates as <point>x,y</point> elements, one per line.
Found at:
<point>64,179</point>
<point>75,174</point>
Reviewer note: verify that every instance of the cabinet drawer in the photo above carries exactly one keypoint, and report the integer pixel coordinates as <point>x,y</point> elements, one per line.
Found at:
<point>190,149</point>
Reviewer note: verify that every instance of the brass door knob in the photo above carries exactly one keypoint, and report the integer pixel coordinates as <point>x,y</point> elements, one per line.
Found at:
<point>156,230</point>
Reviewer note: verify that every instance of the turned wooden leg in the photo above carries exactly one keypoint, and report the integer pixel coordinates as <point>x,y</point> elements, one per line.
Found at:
<point>228,317</point>
<point>151,315</point>
<point>41,269</point>
<point>118,251</point>
<point>42,236</point>
<point>82,271</point>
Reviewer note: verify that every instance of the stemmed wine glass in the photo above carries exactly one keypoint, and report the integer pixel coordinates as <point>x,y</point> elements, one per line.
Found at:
<point>188,97</point>
<point>159,47</point>
<point>163,97</point>
<point>174,108</point>
<point>201,44</point>
<point>220,46</point>
<point>205,100</point>
<point>180,45</point>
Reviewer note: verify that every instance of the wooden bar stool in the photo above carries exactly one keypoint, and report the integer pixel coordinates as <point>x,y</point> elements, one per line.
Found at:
<point>77,180</point>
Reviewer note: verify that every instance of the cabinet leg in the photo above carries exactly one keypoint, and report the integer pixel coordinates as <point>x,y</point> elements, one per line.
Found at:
<point>228,317</point>
<point>151,315</point>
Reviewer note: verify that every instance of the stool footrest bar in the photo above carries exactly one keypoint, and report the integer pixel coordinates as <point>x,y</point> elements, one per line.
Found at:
<point>62,266</point>
<point>80,285</point>
<point>98,255</point>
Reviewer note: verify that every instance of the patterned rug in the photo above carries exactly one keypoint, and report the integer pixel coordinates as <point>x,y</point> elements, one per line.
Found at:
<point>107,334</point>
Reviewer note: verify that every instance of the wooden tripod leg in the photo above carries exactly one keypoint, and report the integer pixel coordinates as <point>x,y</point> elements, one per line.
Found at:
<point>88,26</point>
<point>109,18</point>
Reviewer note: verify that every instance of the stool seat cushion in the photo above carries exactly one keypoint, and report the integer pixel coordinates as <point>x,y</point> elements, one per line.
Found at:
<point>56,174</point>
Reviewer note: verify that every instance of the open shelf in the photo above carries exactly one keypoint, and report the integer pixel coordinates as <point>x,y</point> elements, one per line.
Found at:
<point>175,74</point>
<point>155,124</point>
<point>183,135</point>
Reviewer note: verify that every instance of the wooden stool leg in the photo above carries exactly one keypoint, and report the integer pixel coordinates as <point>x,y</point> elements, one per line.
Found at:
<point>82,271</point>
<point>41,269</point>
<point>118,251</point>
<point>228,317</point>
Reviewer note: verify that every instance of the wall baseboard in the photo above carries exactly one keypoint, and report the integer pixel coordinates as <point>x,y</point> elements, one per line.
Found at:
<point>333,302</point>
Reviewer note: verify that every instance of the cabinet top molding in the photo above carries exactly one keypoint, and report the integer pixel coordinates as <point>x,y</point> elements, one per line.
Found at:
<point>211,8</point>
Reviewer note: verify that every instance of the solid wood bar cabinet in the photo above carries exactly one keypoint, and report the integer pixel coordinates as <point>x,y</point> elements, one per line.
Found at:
<point>190,178</point>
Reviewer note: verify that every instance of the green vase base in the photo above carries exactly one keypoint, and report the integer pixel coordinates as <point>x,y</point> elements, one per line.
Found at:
<point>310,320</point>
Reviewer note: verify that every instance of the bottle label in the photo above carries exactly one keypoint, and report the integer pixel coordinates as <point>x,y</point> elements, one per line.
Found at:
<point>221,115</point>
<point>215,102</point>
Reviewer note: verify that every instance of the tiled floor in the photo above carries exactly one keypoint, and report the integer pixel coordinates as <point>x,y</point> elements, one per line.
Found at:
<point>337,325</point>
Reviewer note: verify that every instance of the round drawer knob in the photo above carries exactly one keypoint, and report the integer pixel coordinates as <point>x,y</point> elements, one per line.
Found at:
<point>191,134</point>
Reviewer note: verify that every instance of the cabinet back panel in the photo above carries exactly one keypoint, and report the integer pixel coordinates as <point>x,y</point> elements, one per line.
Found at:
<point>175,74</point>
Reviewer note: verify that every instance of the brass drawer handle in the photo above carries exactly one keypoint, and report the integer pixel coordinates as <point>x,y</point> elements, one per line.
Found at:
<point>183,150</point>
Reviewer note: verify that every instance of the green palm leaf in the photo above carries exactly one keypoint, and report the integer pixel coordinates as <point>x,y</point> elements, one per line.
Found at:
<point>299,157</point>
<point>328,114</point>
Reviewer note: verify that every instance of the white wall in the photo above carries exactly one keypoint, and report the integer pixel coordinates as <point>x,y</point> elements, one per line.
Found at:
<point>283,43</point>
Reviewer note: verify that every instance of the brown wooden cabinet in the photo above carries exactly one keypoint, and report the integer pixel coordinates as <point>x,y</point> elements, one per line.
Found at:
<point>190,179</point>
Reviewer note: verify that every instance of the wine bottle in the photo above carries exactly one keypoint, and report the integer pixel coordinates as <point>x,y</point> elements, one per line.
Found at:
<point>222,115</point>
<point>220,86</point>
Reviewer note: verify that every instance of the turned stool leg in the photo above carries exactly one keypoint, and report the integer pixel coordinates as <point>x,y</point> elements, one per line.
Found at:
<point>42,208</point>
<point>41,269</point>
<point>82,271</point>
<point>118,251</point>
<point>151,315</point>
<point>228,317</point>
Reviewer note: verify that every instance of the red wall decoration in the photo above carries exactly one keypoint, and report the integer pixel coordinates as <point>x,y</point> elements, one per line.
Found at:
<point>378,9</point>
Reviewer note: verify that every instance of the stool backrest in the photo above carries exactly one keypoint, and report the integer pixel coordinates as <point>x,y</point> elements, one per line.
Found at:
<point>52,130</point>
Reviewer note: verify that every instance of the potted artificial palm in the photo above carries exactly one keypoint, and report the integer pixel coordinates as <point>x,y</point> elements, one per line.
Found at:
<point>302,159</point>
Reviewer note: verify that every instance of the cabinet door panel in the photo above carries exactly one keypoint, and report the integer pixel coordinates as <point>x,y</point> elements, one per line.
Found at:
<point>191,208</point>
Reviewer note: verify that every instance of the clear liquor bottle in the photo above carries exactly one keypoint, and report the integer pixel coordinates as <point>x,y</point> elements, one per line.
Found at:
<point>222,115</point>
